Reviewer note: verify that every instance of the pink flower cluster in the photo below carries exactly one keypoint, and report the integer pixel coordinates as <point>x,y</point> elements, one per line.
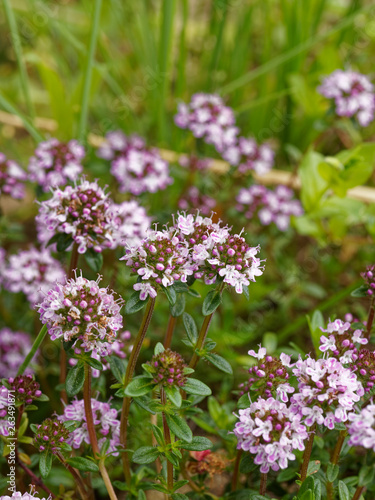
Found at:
<point>207,117</point>
<point>271,431</point>
<point>136,168</point>
<point>271,206</point>
<point>23,496</point>
<point>12,178</point>
<point>32,272</point>
<point>353,95</point>
<point>247,155</point>
<point>81,311</point>
<point>55,163</point>
<point>107,425</point>
<point>342,341</point>
<point>369,277</point>
<point>14,346</point>
<point>91,218</point>
<point>362,428</point>
<point>194,199</point>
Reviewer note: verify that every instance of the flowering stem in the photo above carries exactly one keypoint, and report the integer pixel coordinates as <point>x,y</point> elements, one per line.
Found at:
<point>169,333</point>
<point>236,470</point>
<point>128,377</point>
<point>335,459</point>
<point>358,492</point>
<point>370,319</point>
<point>201,339</point>
<point>92,432</point>
<point>167,437</point>
<point>263,484</point>
<point>307,453</point>
<point>76,475</point>
<point>34,348</point>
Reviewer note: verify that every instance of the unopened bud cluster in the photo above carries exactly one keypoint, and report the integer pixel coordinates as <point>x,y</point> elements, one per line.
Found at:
<point>25,388</point>
<point>51,434</point>
<point>167,369</point>
<point>369,277</point>
<point>364,367</point>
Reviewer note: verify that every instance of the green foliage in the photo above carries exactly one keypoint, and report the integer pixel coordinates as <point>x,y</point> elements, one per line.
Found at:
<point>75,379</point>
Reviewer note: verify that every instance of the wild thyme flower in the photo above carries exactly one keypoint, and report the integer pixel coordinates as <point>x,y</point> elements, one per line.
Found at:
<point>269,377</point>
<point>14,346</point>
<point>25,388</point>
<point>167,368</point>
<point>369,277</point>
<point>272,432</point>
<point>247,155</point>
<point>17,495</point>
<point>364,368</point>
<point>107,425</point>
<point>81,311</point>
<point>194,199</point>
<point>208,118</point>
<point>353,95</point>
<point>55,163</point>
<point>50,435</point>
<point>327,391</point>
<point>117,348</point>
<point>160,260</point>
<point>4,421</point>
<point>12,178</point>
<point>130,223</point>
<point>32,272</point>
<point>81,211</point>
<point>136,168</point>
<point>342,341</point>
<point>271,206</point>
<point>362,428</point>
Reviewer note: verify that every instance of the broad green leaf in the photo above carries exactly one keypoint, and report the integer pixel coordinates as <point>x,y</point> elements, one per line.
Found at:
<point>134,303</point>
<point>196,387</point>
<point>179,307</point>
<point>174,395</point>
<point>171,294</point>
<point>139,386</point>
<point>94,260</point>
<point>211,302</point>
<point>220,363</point>
<point>145,455</point>
<point>332,472</point>
<point>179,427</point>
<point>75,379</point>
<point>191,328</point>
<point>343,491</point>
<point>83,464</point>
<point>117,367</point>
<point>45,464</point>
<point>313,185</point>
<point>198,443</point>
<point>366,475</point>
<point>360,292</point>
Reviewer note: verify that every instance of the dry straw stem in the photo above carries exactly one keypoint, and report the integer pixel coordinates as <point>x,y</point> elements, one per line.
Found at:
<point>362,193</point>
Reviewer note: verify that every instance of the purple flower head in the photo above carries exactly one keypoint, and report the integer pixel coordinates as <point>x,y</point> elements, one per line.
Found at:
<point>271,206</point>
<point>82,311</point>
<point>269,430</point>
<point>193,199</point>
<point>247,155</point>
<point>119,348</point>
<point>56,163</point>
<point>17,495</point>
<point>369,277</point>
<point>364,368</point>
<point>107,425</point>
<point>24,388</point>
<point>82,211</point>
<point>352,93</point>
<point>32,272</point>
<point>136,168</point>
<point>131,223</point>
<point>160,260</point>
<point>14,346</point>
<point>362,428</point>
<point>50,435</point>
<point>167,369</point>
<point>208,118</point>
<point>12,178</point>
<point>194,163</point>
<point>269,377</point>
<point>325,384</point>
<point>342,341</point>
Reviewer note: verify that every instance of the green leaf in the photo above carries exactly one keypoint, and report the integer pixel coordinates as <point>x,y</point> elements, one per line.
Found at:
<point>139,386</point>
<point>63,242</point>
<point>171,294</point>
<point>313,467</point>
<point>179,496</point>
<point>332,472</point>
<point>191,328</point>
<point>198,443</point>
<point>313,185</point>
<point>159,436</point>
<point>145,455</point>
<point>159,348</point>
<point>179,427</point>
<point>83,464</point>
<point>144,402</point>
<point>247,464</point>
<point>174,395</point>
<point>180,287</point>
<point>196,387</point>
<point>219,362</point>
<point>315,322</point>
<point>243,402</point>
<point>45,464</point>
<point>360,292</point>
<point>141,495</point>
<point>117,368</point>
<point>343,491</point>
<point>306,486</point>
<point>366,475</point>
<point>134,304</point>
<point>94,260</point>
<point>94,363</point>
<point>211,302</point>
<point>75,379</point>
<point>179,307</point>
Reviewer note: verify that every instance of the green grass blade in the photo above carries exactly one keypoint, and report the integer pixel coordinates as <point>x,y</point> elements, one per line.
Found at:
<point>33,350</point>
<point>290,54</point>
<point>218,45</point>
<point>262,100</point>
<point>18,51</point>
<point>7,106</point>
<point>88,70</point>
